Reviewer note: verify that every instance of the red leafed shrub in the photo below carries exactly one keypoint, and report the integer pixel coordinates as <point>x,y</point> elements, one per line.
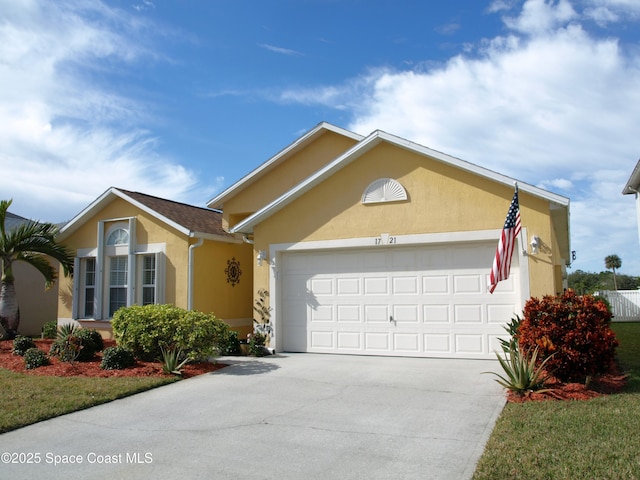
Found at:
<point>576,328</point>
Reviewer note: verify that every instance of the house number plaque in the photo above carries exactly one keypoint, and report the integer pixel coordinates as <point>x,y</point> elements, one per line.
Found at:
<point>386,239</point>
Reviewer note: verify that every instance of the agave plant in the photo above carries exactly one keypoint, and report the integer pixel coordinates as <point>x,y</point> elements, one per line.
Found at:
<point>522,375</point>
<point>172,361</point>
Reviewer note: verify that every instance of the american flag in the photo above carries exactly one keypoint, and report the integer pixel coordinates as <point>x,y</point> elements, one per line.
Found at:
<point>502,260</point>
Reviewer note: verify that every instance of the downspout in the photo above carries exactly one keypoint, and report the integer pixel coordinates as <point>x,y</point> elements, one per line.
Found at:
<point>190,281</point>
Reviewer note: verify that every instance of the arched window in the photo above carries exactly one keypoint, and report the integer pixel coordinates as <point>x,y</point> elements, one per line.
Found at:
<point>384,190</point>
<point>118,236</point>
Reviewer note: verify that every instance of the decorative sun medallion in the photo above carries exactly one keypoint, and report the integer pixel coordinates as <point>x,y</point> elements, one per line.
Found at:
<point>233,271</point>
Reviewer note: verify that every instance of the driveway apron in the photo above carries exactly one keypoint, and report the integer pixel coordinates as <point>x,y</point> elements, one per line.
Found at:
<point>288,416</point>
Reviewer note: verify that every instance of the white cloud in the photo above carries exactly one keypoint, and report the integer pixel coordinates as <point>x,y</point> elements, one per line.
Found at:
<point>548,104</point>
<point>281,50</point>
<point>539,16</point>
<point>65,139</point>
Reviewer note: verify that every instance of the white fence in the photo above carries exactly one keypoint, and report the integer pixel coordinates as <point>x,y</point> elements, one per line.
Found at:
<point>625,304</point>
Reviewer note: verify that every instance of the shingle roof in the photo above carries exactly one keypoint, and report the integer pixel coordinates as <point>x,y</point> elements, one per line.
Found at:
<point>195,219</point>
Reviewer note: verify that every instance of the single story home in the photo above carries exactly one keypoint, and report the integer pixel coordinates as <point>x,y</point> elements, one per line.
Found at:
<point>366,245</point>
<point>131,248</point>
<point>375,245</point>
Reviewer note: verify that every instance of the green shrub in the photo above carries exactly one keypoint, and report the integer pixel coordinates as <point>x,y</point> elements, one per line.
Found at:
<point>256,345</point>
<point>117,358</point>
<point>91,342</point>
<point>34,358</point>
<point>576,329</point>
<point>21,344</point>
<point>232,345</point>
<point>50,329</point>
<point>144,329</point>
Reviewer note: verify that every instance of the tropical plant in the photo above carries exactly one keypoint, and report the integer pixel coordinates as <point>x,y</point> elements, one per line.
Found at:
<point>173,360</point>
<point>512,330</point>
<point>264,312</point>
<point>574,327</point>
<point>522,374</point>
<point>611,262</point>
<point>31,242</point>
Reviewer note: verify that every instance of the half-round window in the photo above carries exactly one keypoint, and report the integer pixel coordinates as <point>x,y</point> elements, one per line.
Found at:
<point>384,190</point>
<point>118,237</point>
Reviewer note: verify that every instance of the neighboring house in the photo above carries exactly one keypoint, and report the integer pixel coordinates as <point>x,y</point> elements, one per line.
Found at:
<point>37,304</point>
<point>133,248</point>
<point>631,188</point>
<point>379,246</point>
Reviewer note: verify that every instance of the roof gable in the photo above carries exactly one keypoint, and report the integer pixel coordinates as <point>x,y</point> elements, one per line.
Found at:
<point>366,144</point>
<point>286,153</point>
<point>187,219</point>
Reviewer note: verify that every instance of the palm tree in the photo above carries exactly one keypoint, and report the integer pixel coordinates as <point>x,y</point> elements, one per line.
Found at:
<point>611,262</point>
<point>29,242</point>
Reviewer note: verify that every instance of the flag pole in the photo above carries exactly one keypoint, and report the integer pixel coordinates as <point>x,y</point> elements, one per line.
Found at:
<point>523,246</point>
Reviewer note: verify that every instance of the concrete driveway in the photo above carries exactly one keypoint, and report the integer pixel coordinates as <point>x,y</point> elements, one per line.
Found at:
<point>290,416</point>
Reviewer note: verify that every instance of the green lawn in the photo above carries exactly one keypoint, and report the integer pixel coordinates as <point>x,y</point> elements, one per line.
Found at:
<point>27,399</point>
<point>598,438</point>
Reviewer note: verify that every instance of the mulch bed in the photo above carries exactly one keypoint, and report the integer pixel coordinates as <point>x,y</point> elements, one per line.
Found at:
<point>91,368</point>
<point>605,384</point>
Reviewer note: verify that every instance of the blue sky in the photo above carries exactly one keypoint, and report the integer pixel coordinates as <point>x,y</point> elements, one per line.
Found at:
<point>181,98</point>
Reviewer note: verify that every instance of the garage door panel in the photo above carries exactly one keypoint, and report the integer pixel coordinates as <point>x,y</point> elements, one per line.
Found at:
<point>348,314</point>
<point>405,285</point>
<point>322,286</point>
<point>348,286</point>
<point>436,314</point>
<point>322,313</point>
<point>376,286</point>
<point>406,342</point>
<point>497,313</point>
<point>374,302</point>
<point>469,344</point>
<point>403,314</point>
<point>435,284</point>
<point>377,342</point>
<point>467,314</point>
<point>349,340</point>
<point>376,314</point>
<point>467,284</point>
<point>437,344</point>
<point>322,340</point>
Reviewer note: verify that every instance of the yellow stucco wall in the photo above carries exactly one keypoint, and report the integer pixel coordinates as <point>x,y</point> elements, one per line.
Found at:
<point>442,198</point>
<point>208,258</point>
<point>212,290</point>
<point>285,176</point>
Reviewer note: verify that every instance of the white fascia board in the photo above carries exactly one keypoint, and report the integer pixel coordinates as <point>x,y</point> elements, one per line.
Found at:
<point>246,226</point>
<point>73,224</point>
<point>214,237</point>
<point>478,170</point>
<point>634,181</point>
<point>218,201</point>
<point>102,201</point>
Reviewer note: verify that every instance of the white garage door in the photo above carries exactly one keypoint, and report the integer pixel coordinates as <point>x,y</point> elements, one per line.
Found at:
<point>404,301</point>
